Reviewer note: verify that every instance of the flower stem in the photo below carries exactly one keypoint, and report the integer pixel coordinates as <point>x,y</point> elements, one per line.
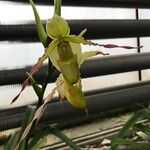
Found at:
<point>57,7</point>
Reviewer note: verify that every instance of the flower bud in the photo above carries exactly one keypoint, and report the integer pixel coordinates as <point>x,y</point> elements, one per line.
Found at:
<point>57,27</point>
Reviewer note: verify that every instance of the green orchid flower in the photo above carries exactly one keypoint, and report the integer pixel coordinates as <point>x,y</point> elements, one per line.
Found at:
<point>67,58</point>
<point>65,54</point>
<point>72,90</point>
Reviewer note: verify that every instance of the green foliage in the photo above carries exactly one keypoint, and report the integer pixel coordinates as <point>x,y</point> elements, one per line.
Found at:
<point>132,144</point>
<point>14,139</point>
<point>37,144</point>
<point>141,131</point>
<point>45,130</point>
<point>64,138</point>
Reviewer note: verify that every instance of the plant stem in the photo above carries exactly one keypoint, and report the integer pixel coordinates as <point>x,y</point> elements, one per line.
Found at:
<point>50,70</point>
<point>57,7</point>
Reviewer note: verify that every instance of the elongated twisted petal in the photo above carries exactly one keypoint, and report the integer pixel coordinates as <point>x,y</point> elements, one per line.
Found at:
<point>89,54</point>
<point>75,95</point>
<point>77,39</point>
<point>76,49</point>
<point>35,68</point>
<point>57,27</point>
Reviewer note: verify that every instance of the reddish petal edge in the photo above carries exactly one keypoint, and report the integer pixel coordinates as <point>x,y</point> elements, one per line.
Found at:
<point>25,83</point>
<point>114,46</point>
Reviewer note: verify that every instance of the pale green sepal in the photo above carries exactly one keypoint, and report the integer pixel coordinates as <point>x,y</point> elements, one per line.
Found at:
<point>57,27</point>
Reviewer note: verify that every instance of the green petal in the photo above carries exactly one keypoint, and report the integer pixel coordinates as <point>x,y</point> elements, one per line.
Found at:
<point>82,32</point>
<point>87,55</point>
<point>54,56</point>
<point>36,67</point>
<point>76,39</point>
<point>76,49</point>
<point>41,31</point>
<point>48,50</point>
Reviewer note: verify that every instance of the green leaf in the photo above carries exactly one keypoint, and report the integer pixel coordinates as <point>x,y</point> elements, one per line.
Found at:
<point>132,144</point>
<point>143,128</point>
<point>28,117</point>
<point>45,130</point>
<point>12,141</point>
<point>64,138</point>
<point>143,135</point>
<point>36,138</point>
<point>37,89</point>
<point>37,146</point>
<point>38,133</point>
<point>140,114</point>
<point>40,29</point>
<point>131,122</point>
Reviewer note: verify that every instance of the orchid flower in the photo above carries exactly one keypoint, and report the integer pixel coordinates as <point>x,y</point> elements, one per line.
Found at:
<point>67,58</point>
<point>65,54</point>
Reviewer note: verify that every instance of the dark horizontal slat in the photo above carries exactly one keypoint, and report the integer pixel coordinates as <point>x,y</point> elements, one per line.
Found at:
<point>96,29</point>
<point>96,103</point>
<point>95,67</point>
<point>96,3</point>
